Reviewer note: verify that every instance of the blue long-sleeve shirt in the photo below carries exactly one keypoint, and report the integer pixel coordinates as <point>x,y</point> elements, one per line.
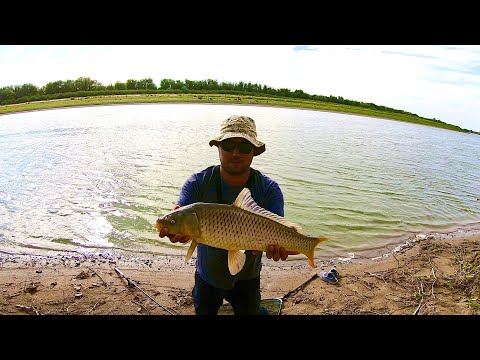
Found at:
<point>212,264</point>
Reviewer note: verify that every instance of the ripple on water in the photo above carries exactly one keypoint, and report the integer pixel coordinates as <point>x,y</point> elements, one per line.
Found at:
<point>100,176</point>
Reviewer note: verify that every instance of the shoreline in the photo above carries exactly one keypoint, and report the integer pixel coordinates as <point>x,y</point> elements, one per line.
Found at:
<point>428,276</point>
<point>383,249</point>
<point>226,103</point>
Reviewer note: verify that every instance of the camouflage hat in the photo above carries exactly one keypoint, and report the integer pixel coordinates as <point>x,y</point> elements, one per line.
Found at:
<point>239,126</point>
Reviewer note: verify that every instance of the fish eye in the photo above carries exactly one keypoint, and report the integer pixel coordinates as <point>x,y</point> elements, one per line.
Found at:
<point>172,221</point>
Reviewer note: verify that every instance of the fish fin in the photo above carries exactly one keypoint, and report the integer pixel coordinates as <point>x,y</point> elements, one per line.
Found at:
<point>245,201</point>
<point>310,254</point>
<point>190,250</point>
<point>323,238</point>
<point>236,260</point>
<point>294,226</point>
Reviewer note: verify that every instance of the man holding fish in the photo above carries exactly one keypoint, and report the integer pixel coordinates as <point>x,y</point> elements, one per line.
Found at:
<point>230,239</point>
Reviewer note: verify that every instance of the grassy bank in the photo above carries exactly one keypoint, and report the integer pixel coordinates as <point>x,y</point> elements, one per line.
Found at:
<point>221,99</point>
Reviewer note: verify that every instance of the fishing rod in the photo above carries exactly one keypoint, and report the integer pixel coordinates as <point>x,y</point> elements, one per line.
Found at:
<point>282,298</point>
<point>273,306</point>
<point>131,283</point>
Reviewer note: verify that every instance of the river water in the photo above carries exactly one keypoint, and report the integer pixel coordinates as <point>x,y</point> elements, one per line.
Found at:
<point>98,177</point>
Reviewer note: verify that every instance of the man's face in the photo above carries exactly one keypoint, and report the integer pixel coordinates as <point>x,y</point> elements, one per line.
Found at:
<point>235,162</point>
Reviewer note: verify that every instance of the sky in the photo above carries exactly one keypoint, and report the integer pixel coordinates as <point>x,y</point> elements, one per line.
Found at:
<point>433,81</point>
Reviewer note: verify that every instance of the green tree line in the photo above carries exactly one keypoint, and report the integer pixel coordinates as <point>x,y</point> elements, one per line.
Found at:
<point>85,86</point>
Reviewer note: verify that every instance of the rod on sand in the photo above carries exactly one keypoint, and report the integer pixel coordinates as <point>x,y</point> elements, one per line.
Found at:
<point>299,287</point>
<point>132,283</point>
<point>282,298</point>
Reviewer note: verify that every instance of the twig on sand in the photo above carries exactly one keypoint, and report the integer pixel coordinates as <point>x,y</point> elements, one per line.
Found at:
<point>420,291</point>
<point>141,305</point>
<point>433,283</point>
<point>398,262</point>
<point>68,307</point>
<point>378,277</point>
<point>418,307</point>
<point>363,282</point>
<point>104,282</point>
<point>28,309</point>
<point>9,296</point>
<point>94,306</point>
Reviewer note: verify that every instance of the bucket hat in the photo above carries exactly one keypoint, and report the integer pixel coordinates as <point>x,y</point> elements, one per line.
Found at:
<point>239,126</point>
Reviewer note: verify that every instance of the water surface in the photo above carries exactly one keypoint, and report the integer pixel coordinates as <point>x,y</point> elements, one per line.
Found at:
<point>99,176</point>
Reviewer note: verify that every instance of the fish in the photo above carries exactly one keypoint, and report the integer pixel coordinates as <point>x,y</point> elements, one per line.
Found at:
<point>242,226</point>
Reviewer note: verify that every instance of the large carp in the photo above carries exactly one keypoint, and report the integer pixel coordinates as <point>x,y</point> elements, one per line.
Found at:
<point>244,225</point>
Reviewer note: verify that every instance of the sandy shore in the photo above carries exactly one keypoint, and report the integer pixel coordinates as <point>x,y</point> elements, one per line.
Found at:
<point>429,275</point>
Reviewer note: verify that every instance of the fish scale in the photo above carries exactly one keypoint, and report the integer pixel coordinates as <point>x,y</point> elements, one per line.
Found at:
<point>241,226</point>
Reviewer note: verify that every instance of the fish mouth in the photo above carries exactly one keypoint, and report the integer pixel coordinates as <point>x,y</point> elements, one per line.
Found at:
<point>158,225</point>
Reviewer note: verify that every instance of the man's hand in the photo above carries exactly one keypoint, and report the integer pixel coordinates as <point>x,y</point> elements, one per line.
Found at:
<point>276,253</point>
<point>174,238</point>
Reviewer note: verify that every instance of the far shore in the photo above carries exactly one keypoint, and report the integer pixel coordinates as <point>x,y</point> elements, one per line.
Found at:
<point>205,103</point>
<point>222,99</point>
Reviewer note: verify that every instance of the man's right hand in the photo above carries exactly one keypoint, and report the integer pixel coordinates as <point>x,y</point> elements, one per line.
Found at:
<point>173,238</point>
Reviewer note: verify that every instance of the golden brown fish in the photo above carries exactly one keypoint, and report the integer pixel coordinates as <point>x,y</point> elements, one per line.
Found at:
<point>241,226</point>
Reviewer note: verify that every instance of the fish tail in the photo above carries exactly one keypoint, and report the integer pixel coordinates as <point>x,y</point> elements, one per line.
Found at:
<point>311,253</point>
<point>310,258</point>
<point>323,238</point>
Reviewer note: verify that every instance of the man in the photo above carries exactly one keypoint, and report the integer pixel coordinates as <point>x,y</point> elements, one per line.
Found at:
<point>237,145</point>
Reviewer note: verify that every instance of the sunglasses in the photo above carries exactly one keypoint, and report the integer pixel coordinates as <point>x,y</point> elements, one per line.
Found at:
<point>229,146</point>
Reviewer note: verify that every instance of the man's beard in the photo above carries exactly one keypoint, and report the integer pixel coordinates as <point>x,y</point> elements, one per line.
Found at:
<point>234,171</point>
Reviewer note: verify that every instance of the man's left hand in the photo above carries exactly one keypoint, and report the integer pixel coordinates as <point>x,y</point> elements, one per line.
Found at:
<point>276,253</point>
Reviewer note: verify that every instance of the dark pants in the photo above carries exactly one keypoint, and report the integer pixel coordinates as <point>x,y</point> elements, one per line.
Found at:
<point>244,297</point>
